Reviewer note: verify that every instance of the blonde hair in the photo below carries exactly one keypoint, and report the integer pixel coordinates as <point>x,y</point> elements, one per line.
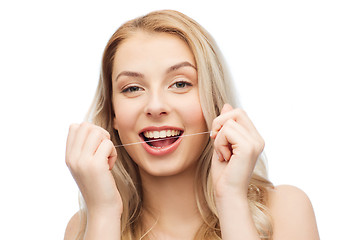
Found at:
<point>215,89</point>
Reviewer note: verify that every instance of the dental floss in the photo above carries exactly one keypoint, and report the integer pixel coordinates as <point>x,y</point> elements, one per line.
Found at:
<point>186,135</point>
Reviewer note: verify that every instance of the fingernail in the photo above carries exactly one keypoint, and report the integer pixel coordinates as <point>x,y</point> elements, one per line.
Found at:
<point>211,133</point>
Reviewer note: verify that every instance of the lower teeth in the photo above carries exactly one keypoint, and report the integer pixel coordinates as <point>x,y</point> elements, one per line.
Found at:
<point>148,141</point>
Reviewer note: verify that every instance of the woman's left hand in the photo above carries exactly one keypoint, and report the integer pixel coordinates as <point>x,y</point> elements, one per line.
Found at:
<point>237,146</point>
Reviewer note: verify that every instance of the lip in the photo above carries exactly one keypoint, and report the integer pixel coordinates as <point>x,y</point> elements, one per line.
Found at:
<point>165,150</point>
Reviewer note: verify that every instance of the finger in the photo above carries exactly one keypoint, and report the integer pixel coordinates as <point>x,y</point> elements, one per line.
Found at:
<point>111,161</point>
<point>70,139</point>
<point>217,166</point>
<point>237,115</point>
<point>226,108</point>
<point>94,138</point>
<point>104,131</point>
<point>106,152</point>
<point>71,136</point>
<point>230,136</point>
<point>223,152</point>
<point>81,136</point>
<point>222,147</point>
<point>218,155</point>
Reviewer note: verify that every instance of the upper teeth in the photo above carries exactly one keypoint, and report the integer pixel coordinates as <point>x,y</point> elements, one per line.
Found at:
<point>161,134</point>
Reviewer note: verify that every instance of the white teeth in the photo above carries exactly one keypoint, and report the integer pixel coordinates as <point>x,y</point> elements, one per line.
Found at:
<point>155,134</point>
<point>161,134</point>
<point>156,147</point>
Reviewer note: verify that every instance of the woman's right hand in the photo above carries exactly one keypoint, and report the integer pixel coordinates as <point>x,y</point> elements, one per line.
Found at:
<point>90,156</point>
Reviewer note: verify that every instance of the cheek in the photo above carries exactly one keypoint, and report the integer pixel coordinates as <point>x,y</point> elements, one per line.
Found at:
<point>191,111</point>
<point>124,115</point>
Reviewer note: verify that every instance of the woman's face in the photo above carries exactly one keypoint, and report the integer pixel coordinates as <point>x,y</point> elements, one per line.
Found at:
<point>155,97</point>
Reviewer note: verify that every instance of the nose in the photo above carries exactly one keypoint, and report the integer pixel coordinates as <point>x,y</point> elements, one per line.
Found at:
<point>156,106</point>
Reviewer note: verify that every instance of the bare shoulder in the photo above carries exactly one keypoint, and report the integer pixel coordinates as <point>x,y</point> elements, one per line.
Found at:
<point>292,213</point>
<point>73,226</point>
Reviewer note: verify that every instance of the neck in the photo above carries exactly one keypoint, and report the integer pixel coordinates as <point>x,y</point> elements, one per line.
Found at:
<point>170,204</point>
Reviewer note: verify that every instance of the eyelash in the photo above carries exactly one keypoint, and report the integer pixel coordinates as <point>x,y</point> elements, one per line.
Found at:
<point>130,89</point>
<point>186,84</point>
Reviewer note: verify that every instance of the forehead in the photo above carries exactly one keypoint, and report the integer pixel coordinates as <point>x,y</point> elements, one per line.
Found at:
<point>161,49</point>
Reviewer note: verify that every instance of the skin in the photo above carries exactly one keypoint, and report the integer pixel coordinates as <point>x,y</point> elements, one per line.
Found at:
<point>147,93</point>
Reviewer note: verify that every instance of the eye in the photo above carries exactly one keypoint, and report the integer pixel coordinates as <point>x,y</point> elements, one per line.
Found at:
<point>131,89</point>
<point>181,84</point>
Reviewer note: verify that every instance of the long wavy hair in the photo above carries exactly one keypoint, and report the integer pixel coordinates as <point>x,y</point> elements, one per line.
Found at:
<point>215,89</point>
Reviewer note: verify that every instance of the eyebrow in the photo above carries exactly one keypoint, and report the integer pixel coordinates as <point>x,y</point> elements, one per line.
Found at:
<point>180,65</point>
<point>170,69</point>
<point>130,74</point>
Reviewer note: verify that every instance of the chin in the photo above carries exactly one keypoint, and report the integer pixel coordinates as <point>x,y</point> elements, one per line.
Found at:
<point>165,169</point>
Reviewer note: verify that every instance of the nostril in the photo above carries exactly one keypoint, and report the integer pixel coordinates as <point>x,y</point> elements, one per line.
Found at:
<point>156,107</point>
<point>160,114</point>
<point>156,113</point>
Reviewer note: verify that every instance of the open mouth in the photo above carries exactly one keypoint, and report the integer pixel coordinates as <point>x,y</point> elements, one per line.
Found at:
<point>161,139</point>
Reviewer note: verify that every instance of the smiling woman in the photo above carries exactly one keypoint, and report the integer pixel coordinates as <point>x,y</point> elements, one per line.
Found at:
<point>163,79</point>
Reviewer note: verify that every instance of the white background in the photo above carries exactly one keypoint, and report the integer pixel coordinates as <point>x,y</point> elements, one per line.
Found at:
<point>285,57</point>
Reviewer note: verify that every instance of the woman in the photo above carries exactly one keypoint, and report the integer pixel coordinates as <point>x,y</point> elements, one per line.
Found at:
<point>146,166</point>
